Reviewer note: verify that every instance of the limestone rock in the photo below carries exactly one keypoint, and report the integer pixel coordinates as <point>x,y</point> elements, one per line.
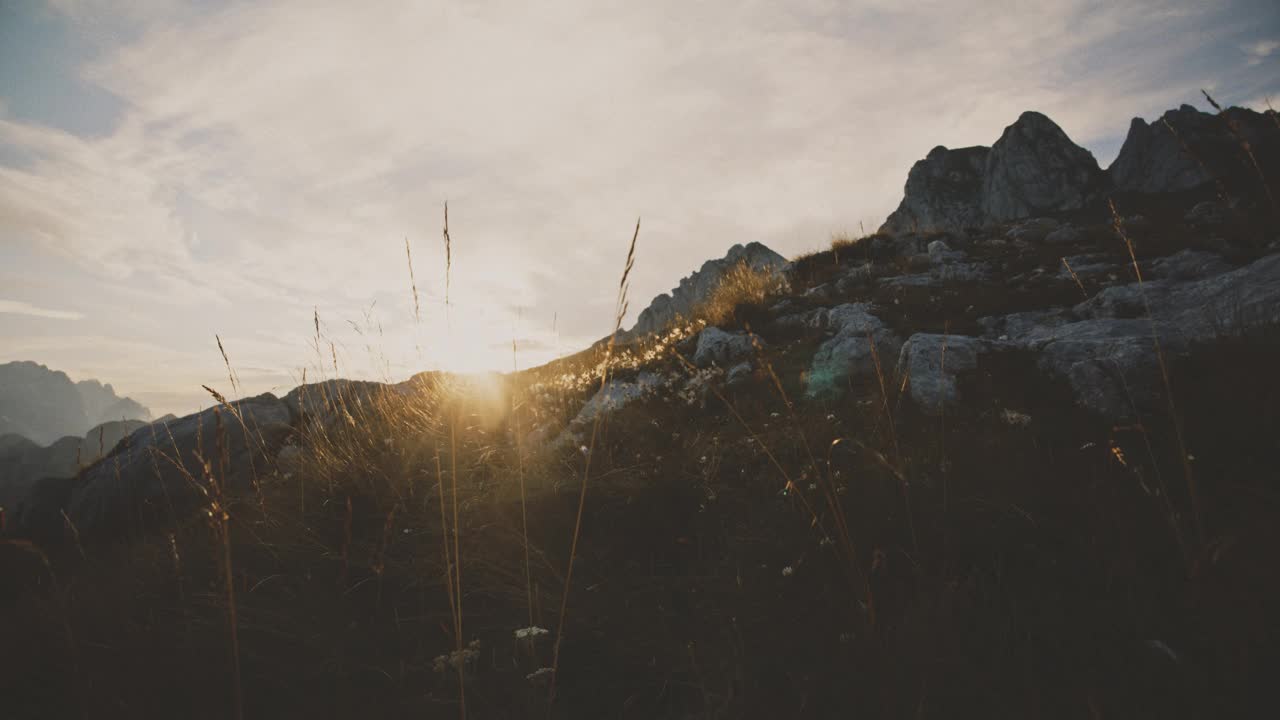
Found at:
<point>697,287</point>
<point>943,192</point>
<point>1199,149</point>
<point>1035,169</point>
<point>717,347</point>
<point>931,363</point>
<point>859,337</point>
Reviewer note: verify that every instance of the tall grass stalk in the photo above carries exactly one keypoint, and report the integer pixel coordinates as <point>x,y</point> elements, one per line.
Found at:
<point>1192,492</point>
<point>620,311</point>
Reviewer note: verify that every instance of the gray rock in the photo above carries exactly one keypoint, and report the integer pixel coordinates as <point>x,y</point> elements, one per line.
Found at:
<point>738,374</point>
<point>717,347</point>
<point>1087,267</point>
<point>617,394</point>
<point>1065,235</point>
<point>1035,169</point>
<point>1153,159</point>
<point>931,363</point>
<point>859,337</point>
<point>943,192</point>
<point>1032,231</point>
<point>940,253</point>
<point>1105,347</point>
<point>697,288</point>
<point>815,319</point>
<point>1207,214</point>
<point>1189,265</point>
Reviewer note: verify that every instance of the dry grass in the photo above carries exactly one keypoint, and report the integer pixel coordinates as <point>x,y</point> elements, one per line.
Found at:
<point>741,285</point>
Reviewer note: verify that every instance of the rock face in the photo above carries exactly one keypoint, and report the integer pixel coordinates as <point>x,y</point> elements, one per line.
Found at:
<point>944,191</point>
<point>1199,149</point>
<point>932,362</point>
<point>1104,347</point>
<point>717,347</point>
<point>859,338</point>
<point>697,288</point>
<point>44,405</point>
<point>1033,168</point>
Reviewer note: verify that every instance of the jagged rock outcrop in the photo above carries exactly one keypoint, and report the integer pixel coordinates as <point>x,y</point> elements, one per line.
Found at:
<point>695,289</point>
<point>44,405</point>
<point>943,191</point>
<point>1035,169</point>
<point>1198,150</point>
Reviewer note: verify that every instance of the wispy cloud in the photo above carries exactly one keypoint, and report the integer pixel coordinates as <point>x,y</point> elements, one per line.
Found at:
<point>273,156</point>
<point>13,307</point>
<point>1259,51</point>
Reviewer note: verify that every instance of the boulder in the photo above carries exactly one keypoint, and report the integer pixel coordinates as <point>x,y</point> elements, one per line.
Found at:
<point>617,394</point>
<point>859,336</point>
<point>940,252</point>
<point>931,363</point>
<point>717,347</point>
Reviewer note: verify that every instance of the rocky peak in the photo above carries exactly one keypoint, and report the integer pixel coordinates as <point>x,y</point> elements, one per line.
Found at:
<point>697,287</point>
<point>1035,169</point>
<point>1199,149</point>
<point>943,191</point>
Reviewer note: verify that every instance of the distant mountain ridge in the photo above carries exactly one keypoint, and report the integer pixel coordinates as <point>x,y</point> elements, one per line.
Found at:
<point>43,405</point>
<point>1035,169</point>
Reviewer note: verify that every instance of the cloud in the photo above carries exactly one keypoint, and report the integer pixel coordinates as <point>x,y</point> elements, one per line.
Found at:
<point>273,157</point>
<point>14,307</point>
<point>1259,51</point>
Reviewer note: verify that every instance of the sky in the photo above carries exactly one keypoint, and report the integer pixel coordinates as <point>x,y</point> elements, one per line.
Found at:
<point>171,172</point>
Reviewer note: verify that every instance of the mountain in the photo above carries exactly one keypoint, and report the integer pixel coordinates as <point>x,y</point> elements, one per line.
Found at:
<point>43,404</point>
<point>1035,169</point>
<point>696,288</point>
<point>23,462</point>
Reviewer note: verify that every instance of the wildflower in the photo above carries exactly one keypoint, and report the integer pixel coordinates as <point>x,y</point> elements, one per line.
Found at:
<point>584,450</point>
<point>458,659</point>
<point>531,632</point>
<point>788,571</point>
<point>1015,418</point>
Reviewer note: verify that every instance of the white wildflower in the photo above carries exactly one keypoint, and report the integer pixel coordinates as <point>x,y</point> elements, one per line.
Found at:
<point>533,631</point>
<point>1015,418</point>
<point>788,571</point>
